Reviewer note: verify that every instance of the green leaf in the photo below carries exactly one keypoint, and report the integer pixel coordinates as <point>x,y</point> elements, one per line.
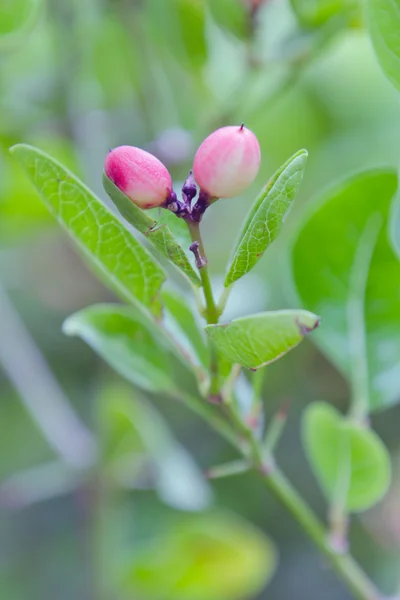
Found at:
<point>130,342</point>
<point>266,216</point>
<point>155,226</point>
<point>191,18</point>
<point>178,307</point>
<point>113,57</point>
<point>17,18</point>
<point>383,19</point>
<point>349,461</point>
<point>119,258</point>
<point>132,427</point>
<point>314,13</point>
<point>212,556</point>
<point>231,15</point>
<point>178,26</point>
<point>178,228</point>
<point>257,340</point>
<point>345,269</point>
<point>22,213</point>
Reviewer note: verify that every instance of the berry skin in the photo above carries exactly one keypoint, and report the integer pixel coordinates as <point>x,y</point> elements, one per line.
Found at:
<point>139,175</point>
<point>227,162</point>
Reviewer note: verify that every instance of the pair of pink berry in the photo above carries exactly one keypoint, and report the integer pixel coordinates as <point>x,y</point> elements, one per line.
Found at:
<point>225,164</point>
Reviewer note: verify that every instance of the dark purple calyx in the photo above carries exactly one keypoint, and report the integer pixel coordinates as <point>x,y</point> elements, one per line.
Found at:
<point>200,207</point>
<point>178,207</point>
<point>189,188</point>
<point>189,208</point>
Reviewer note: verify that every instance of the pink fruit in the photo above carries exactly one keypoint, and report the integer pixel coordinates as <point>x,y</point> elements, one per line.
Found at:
<point>227,162</point>
<point>139,175</point>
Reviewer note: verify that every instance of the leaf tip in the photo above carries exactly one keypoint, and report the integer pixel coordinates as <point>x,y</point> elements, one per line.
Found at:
<point>16,147</point>
<point>69,326</point>
<point>307,327</point>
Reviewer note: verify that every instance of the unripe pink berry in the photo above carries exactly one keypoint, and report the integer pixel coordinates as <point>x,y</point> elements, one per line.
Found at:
<point>139,175</point>
<point>227,162</point>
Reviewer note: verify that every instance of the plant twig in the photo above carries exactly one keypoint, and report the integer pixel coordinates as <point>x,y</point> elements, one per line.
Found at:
<point>257,403</point>
<point>212,315</point>
<point>275,429</point>
<point>343,564</point>
<point>356,580</point>
<point>235,467</point>
<point>211,311</point>
<point>229,385</point>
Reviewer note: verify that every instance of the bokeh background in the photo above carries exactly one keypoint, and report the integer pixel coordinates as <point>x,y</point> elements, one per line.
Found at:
<point>76,78</point>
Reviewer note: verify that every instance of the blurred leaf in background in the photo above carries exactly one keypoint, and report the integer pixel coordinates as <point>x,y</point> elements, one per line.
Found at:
<point>77,78</point>
<point>134,431</point>
<point>216,555</point>
<point>350,461</point>
<point>354,282</point>
<point>384,21</point>
<point>17,17</point>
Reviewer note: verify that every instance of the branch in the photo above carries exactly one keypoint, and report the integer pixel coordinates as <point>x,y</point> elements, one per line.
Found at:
<point>253,451</point>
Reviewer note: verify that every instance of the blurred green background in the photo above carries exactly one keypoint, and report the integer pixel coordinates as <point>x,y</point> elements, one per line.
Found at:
<point>76,78</point>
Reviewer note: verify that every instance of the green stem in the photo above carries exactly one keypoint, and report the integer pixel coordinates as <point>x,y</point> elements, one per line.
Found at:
<point>343,563</point>
<point>211,312</point>
<point>337,514</point>
<point>339,524</point>
<point>251,449</point>
<point>257,404</point>
<point>208,413</point>
<point>275,430</point>
<point>235,467</point>
<point>229,385</point>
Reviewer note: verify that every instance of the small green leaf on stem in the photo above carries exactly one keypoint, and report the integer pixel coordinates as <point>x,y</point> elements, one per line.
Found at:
<point>350,462</point>
<point>257,340</point>
<point>130,342</point>
<point>115,254</point>
<point>156,226</point>
<point>266,216</point>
